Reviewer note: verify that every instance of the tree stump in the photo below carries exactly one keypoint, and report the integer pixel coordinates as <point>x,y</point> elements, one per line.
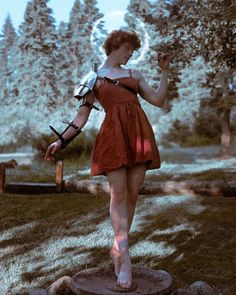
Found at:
<point>102,281</point>
<point>3,165</point>
<point>59,177</point>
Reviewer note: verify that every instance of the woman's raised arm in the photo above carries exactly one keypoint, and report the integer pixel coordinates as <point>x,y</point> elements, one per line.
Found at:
<point>155,97</point>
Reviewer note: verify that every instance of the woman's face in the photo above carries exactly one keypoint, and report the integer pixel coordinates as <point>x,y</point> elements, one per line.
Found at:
<point>124,52</point>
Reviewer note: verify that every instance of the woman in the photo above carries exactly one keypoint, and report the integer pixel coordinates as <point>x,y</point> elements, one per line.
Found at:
<point>125,145</point>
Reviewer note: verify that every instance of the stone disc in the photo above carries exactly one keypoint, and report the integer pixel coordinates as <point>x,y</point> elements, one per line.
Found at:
<point>112,286</point>
<point>102,281</point>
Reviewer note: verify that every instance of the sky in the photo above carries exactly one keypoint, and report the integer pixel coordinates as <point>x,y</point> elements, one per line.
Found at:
<point>113,11</point>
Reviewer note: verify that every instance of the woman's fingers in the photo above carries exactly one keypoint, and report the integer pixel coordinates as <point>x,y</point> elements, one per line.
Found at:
<point>49,153</point>
<point>54,150</point>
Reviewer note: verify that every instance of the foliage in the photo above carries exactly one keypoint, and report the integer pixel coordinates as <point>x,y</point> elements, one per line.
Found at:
<point>204,28</point>
<point>81,146</point>
<point>82,17</point>
<point>207,28</point>
<point>198,134</point>
<point>41,64</point>
<point>37,79</point>
<point>7,43</point>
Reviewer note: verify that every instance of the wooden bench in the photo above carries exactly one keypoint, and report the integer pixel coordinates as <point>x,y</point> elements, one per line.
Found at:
<point>30,187</point>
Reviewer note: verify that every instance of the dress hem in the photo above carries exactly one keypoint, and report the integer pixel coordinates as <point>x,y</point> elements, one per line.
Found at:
<point>148,162</point>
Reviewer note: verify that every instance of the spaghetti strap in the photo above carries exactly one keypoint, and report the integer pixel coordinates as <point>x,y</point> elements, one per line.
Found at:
<point>130,73</point>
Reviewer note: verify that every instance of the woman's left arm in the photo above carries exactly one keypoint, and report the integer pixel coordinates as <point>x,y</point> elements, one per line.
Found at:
<point>155,97</point>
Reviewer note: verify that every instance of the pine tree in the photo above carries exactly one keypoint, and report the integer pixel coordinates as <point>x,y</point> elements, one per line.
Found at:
<point>7,43</point>
<point>63,65</point>
<point>35,77</point>
<point>93,15</point>
<point>66,103</point>
<point>76,32</point>
<point>82,19</point>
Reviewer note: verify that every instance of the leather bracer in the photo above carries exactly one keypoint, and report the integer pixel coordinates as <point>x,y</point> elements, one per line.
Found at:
<point>64,141</point>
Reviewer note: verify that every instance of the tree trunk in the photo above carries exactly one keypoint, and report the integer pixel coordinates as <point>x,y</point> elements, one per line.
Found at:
<point>225,124</point>
<point>225,133</point>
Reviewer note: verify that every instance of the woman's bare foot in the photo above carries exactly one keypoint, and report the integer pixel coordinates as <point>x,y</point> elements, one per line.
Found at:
<point>125,275</point>
<point>115,256</point>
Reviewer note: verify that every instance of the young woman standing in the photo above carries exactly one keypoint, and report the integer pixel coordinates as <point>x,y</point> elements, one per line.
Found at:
<point>125,146</point>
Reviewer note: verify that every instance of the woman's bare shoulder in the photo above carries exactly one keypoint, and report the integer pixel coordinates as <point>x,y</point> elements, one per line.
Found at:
<point>137,74</point>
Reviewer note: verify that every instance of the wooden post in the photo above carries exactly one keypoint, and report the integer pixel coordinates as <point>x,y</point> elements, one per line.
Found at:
<point>2,177</point>
<point>59,177</point>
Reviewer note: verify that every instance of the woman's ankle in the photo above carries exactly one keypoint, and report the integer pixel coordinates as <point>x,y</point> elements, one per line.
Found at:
<point>115,245</point>
<point>124,252</point>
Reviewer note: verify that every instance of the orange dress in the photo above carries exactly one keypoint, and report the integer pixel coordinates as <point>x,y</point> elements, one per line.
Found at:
<point>125,137</point>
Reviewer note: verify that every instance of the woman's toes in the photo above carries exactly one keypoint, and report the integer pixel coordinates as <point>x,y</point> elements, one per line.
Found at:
<point>125,274</point>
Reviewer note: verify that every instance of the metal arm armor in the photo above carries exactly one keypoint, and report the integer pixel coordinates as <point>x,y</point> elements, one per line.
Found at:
<point>85,87</point>
<point>87,84</point>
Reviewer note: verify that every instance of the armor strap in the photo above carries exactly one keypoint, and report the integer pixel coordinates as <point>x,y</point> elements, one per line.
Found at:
<point>64,141</point>
<point>89,105</point>
<point>118,83</point>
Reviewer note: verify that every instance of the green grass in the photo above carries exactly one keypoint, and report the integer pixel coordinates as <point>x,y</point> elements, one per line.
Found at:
<point>44,172</point>
<point>208,255</point>
<point>211,175</point>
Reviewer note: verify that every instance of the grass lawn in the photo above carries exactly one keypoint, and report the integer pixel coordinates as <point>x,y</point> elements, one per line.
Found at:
<point>44,237</point>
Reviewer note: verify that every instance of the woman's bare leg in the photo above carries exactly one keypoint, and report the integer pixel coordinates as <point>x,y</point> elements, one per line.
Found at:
<point>135,178</point>
<point>119,218</point>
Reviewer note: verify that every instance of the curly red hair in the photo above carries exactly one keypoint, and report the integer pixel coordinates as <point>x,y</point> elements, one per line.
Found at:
<point>118,37</point>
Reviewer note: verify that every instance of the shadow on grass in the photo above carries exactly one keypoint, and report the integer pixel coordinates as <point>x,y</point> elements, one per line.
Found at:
<point>67,233</point>
<point>204,251</point>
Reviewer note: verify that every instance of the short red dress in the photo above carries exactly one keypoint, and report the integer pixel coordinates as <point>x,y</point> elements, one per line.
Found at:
<point>125,138</point>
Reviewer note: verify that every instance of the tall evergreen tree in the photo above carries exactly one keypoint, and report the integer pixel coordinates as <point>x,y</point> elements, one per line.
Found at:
<point>76,32</point>
<point>93,15</point>
<point>35,77</point>
<point>66,103</point>
<point>82,19</point>
<point>63,64</point>
<point>7,43</point>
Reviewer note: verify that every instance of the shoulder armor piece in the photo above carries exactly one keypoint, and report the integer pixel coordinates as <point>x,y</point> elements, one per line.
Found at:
<point>86,85</point>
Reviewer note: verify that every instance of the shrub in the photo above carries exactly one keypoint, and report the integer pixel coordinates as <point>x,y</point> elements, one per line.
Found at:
<point>80,147</point>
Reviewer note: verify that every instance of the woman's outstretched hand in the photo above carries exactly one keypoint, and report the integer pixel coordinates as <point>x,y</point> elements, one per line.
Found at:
<point>163,61</point>
<point>52,149</point>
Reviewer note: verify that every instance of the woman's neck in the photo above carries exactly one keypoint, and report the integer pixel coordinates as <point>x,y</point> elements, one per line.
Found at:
<point>111,63</point>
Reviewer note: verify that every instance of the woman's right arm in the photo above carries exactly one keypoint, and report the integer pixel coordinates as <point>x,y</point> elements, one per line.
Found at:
<point>80,120</point>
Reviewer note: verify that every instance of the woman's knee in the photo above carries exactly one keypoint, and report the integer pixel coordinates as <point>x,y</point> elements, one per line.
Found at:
<point>119,194</point>
<point>135,179</point>
<point>118,185</point>
<point>132,196</point>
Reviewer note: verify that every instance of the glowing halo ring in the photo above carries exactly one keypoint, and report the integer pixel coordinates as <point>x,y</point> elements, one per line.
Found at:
<point>144,47</point>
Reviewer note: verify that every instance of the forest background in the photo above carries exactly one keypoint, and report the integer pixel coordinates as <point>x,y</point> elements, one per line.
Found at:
<point>41,64</point>
<point>44,237</point>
